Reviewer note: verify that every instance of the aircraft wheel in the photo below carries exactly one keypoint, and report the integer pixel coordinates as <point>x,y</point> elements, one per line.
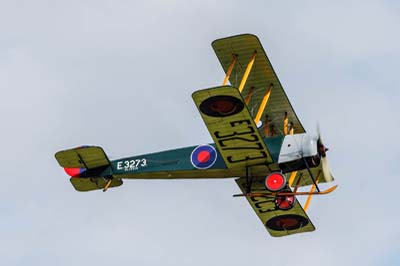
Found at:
<point>275,182</point>
<point>284,202</point>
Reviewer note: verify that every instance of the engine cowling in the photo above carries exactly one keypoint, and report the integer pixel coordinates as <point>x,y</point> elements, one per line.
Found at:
<point>297,148</point>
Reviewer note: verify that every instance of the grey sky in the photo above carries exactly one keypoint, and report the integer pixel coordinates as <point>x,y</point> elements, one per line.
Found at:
<point>120,74</point>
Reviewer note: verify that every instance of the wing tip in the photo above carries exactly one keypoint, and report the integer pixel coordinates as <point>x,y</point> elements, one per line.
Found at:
<point>250,35</point>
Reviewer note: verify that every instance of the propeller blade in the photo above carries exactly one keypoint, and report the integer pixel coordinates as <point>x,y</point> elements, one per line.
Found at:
<point>326,170</point>
<point>319,133</point>
<point>324,161</point>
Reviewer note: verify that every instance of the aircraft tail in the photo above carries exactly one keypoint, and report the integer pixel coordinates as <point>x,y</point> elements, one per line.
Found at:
<point>89,168</point>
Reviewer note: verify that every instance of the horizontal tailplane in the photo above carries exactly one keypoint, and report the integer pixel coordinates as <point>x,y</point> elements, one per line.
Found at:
<point>89,168</point>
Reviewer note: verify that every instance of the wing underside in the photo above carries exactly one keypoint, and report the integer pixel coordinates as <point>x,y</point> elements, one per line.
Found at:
<point>261,77</point>
<point>232,127</point>
<point>277,222</point>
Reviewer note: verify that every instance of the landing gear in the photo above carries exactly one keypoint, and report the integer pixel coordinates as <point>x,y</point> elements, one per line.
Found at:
<point>275,182</point>
<point>249,180</point>
<point>284,202</point>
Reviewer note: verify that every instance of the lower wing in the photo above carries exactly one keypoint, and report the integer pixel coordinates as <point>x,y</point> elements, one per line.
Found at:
<point>278,222</point>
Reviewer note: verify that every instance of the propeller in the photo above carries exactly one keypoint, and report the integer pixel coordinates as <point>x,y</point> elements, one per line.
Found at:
<point>324,161</point>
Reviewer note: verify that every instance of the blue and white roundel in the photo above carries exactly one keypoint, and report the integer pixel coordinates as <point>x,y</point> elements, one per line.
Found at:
<point>203,156</point>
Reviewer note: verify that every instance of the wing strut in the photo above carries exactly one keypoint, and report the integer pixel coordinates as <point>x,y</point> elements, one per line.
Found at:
<point>248,97</point>
<point>249,179</point>
<point>266,126</point>
<point>293,174</point>
<point>298,183</point>
<point>286,124</point>
<point>292,177</point>
<point>263,104</point>
<point>291,129</point>
<point>247,72</point>
<point>230,68</point>
<point>311,191</point>
<point>311,175</point>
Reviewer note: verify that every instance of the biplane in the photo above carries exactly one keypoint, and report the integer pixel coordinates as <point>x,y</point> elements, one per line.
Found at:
<point>258,140</point>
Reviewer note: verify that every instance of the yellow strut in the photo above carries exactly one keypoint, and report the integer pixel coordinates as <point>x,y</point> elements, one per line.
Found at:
<point>247,72</point>
<point>230,68</point>
<point>293,174</point>
<point>292,177</point>
<point>311,191</point>
<point>285,124</point>
<point>263,104</point>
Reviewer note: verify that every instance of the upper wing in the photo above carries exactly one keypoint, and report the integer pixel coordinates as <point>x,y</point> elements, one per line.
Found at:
<point>277,222</point>
<point>231,126</point>
<point>261,77</point>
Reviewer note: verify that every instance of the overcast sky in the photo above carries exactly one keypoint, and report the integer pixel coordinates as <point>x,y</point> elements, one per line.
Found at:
<point>120,74</point>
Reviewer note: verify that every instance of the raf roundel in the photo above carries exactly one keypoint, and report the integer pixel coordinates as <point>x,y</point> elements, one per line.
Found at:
<point>203,156</point>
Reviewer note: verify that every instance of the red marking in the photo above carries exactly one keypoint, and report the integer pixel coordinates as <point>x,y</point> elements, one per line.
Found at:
<point>284,202</point>
<point>223,106</point>
<point>74,172</point>
<point>275,182</point>
<point>203,156</point>
<point>287,222</point>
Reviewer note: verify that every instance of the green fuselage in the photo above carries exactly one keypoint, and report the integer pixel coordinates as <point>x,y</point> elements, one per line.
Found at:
<point>177,163</point>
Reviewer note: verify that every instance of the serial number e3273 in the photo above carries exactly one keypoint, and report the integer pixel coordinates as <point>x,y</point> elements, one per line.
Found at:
<point>131,165</point>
